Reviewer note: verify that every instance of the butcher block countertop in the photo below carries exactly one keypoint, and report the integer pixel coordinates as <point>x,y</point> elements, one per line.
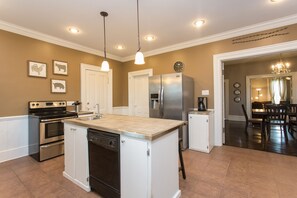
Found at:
<point>139,127</point>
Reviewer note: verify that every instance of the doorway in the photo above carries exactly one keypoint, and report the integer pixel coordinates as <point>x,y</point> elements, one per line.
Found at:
<point>218,59</point>
<point>139,92</point>
<point>96,89</point>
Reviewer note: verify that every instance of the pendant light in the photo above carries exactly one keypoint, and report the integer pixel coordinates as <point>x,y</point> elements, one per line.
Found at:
<point>104,65</point>
<point>139,59</point>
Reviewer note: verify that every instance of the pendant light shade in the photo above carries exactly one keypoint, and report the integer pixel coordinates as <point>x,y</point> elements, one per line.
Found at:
<point>139,58</point>
<point>104,65</point>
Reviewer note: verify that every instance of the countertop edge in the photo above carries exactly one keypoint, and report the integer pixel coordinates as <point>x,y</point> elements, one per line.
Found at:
<point>123,132</point>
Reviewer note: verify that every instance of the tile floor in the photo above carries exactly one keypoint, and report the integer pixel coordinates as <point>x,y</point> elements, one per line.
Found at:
<point>226,172</point>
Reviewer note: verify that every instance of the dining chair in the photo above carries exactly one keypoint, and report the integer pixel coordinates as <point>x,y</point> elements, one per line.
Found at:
<point>250,120</point>
<point>292,114</point>
<point>276,115</point>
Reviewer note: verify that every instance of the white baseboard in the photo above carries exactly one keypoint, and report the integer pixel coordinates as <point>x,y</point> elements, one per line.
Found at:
<point>236,118</point>
<point>123,110</point>
<point>13,137</point>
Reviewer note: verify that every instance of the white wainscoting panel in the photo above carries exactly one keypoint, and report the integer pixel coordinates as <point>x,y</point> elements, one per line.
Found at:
<point>13,137</point>
<point>236,118</point>
<point>124,110</point>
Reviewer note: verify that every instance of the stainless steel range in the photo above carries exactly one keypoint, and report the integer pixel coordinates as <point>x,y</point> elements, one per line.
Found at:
<point>46,128</point>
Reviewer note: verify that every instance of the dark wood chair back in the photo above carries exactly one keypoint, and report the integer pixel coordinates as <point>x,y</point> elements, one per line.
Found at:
<point>244,113</point>
<point>276,113</point>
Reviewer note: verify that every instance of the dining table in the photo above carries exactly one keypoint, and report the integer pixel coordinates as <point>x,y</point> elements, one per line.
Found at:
<point>262,113</point>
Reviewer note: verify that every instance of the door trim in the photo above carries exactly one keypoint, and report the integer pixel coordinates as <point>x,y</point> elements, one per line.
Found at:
<point>218,59</point>
<point>83,68</point>
<point>131,76</point>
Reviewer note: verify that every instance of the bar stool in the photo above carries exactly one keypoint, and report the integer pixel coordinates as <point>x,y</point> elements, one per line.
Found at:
<point>182,168</point>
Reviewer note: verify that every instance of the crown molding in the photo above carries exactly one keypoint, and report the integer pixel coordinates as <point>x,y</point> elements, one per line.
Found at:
<point>51,39</point>
<point>289,20</point>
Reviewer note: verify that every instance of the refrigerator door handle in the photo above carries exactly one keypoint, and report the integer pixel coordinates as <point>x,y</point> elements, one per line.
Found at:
<point>162,102</point>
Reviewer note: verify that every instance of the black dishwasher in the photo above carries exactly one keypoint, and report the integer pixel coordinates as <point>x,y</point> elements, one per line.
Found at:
<point>104,163</point>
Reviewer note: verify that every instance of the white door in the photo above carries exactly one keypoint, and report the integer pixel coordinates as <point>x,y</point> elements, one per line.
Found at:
<point>95,89</point>
<point>139,93</point>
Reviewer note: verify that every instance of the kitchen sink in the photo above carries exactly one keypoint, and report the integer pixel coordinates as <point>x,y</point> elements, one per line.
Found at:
<point>86,118</point>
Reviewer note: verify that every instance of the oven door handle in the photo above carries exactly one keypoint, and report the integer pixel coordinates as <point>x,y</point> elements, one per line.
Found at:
<point>52,144</point>
<point>56,119</point>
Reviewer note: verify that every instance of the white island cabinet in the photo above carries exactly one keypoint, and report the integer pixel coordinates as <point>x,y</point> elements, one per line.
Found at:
<point>148,154</point>
<point>201,131</point>
<point>76,155</point>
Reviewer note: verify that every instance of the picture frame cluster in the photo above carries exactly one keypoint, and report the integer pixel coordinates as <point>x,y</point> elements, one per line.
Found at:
<point>39,70</point>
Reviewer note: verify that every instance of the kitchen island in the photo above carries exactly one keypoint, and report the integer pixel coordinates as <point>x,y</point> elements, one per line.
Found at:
<point>148,153</point>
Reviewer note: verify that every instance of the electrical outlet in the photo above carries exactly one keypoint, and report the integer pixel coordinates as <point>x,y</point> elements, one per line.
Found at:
<point>205,92</point>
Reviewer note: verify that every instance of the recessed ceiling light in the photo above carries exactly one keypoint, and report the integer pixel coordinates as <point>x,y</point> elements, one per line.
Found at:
<point>73,30</point>
<point>149,37</point>
<point>199,23</point>
<point>119,47</point>
<point>275,1</point>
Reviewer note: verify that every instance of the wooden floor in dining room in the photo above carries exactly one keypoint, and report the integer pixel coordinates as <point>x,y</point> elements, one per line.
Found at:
<point>235,135</point>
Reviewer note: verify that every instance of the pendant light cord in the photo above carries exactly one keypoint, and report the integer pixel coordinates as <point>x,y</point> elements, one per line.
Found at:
<point>104,38</point>
<point>138,26</point>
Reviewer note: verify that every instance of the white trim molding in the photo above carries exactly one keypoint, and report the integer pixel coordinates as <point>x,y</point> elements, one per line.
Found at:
<point>13,137</point>
<point>284,21</point>
<point>51,39</point>
<point>123,110</point>
<point>289,20</point>
<point>218,59</point>
<point>236,118</point>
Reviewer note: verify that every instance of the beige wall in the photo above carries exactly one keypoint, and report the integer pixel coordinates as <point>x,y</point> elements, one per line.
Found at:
<point>17,88</point>
<point>238,73</point>
<point>198,62</point>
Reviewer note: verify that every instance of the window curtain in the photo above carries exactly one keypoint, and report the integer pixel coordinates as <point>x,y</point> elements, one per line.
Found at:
<point>278,90</point>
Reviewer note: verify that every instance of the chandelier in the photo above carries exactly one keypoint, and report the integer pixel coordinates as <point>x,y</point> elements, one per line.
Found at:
<point>280,67</point>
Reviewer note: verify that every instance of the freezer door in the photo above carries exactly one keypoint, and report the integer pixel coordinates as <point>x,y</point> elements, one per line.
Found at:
<point>154,96</point>
<point>172,96</point>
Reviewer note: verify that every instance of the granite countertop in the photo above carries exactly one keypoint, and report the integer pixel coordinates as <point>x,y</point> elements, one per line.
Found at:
<point>139,127</point>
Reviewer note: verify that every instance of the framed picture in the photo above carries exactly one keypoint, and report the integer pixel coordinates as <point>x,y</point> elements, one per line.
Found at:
<point>58,86</point>
<point>236,85</point>
<point>237,99</point>
<point>36,69</point>
<point>237,92</point>
<point>60,67</point>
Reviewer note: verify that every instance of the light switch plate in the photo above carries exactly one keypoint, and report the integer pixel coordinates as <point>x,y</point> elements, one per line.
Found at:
<point>205,92</point>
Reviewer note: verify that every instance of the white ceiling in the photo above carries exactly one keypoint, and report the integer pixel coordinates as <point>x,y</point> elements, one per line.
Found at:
<point>169,20</point>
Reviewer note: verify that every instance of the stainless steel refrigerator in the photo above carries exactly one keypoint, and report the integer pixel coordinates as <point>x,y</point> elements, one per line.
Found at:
<point>171,96</point>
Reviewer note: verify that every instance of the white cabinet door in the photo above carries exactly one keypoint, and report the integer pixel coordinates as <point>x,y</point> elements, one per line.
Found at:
<point>69,148</point>
<point>199,132</point>
<point>76,155</point>
<point>81,155</point>
<point>134,167</point>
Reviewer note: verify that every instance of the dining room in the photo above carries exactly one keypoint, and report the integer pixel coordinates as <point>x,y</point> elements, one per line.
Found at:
<point>260,96</point>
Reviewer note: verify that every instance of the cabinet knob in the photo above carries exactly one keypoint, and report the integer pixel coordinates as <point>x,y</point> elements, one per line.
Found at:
<point>72,129</point>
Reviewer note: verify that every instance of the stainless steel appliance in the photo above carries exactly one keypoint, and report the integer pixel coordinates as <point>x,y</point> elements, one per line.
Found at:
<point>171,96</point>
<point>104,163</point>
<point>46,128</point>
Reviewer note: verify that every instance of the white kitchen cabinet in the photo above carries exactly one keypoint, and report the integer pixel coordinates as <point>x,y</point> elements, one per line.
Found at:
<point>201,131</point>
<point>76,155</point>
<point>134,167</point>
<point>150,168</point>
